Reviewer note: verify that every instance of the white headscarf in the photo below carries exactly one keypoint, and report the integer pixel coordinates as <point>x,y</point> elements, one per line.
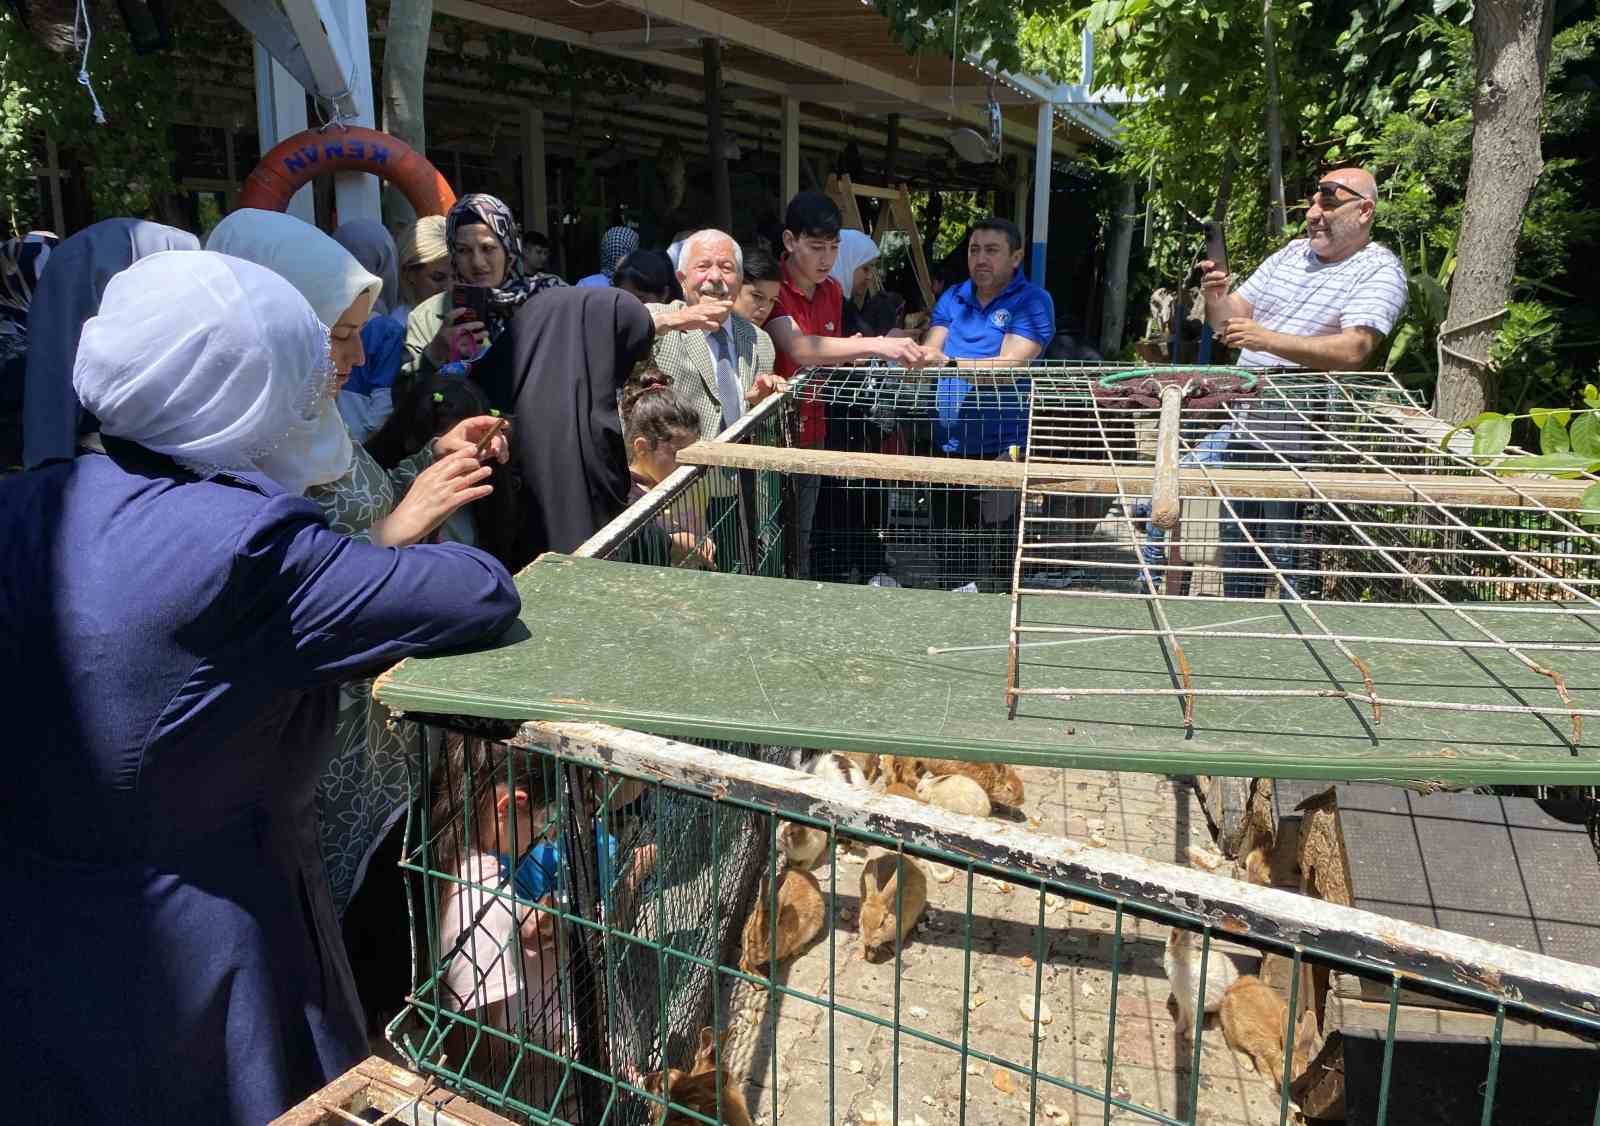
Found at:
<point>855,250</point>
<point>218,363</point>
<point>325,273</point>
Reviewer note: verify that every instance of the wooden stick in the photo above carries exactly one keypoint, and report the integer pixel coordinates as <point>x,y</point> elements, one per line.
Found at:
<point>1099,477</point>
<point>1164,504</point>
<point>483,442</point>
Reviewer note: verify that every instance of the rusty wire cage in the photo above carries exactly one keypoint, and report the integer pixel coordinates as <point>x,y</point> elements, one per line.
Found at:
<point>1032,988</point>
<point>1369,542</point>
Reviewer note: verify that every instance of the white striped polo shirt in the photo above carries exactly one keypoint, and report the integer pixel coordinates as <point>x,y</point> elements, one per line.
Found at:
<point>1297,293</point>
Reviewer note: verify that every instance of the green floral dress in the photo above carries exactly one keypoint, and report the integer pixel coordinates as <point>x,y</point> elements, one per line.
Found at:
<point>363,789</point>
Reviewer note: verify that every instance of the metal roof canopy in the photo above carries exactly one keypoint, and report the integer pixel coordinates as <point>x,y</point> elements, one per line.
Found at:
<point>833,53</point>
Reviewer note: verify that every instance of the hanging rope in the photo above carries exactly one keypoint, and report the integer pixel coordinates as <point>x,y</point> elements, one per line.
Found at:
<point>81,18</point>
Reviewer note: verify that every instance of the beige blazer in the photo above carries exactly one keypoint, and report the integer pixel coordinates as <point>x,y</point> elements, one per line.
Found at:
<point>687,358</point>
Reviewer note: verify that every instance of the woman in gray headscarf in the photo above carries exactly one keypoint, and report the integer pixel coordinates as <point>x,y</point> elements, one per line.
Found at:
<point>68,295</point>
<point>370,243</point>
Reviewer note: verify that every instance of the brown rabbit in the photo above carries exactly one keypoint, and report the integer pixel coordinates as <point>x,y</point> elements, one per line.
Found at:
<point>880,926</point>
<point>901,790</point>
<point>901,770</point>
<point>800,917</point>
<point>697,1089</point>
<point>1001,782</point>
<point>1253,1016</point>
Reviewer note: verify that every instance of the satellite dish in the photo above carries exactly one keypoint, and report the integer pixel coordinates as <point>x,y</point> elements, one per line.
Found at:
<point>972,146</point>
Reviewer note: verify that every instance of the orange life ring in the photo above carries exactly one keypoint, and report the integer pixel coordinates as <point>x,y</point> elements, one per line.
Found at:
<point>295,161</point>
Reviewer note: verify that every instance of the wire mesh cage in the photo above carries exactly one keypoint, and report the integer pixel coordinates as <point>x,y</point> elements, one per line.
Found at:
<point>527,875</point>
<point>922,963</point>
<point>947,535</point>
<point>1332,498</point>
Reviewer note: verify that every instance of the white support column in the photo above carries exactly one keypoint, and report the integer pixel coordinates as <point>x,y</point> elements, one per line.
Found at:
<point>789,154</point>
<point>535,196</point>
<point>356,194</point>
<point>1041,192</point>
<point>280,113</point>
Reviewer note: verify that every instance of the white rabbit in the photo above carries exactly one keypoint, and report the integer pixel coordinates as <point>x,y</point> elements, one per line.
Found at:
<point>1181,960</point>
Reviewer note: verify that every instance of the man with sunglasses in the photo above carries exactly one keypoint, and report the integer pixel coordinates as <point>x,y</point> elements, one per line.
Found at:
<point>1322,302</point>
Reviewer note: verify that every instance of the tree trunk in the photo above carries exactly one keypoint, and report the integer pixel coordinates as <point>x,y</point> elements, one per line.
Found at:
<point>1511,47</point>
<point>721,192</point>
<point>1114,309</point>
<point>1277,212</point>
<point>405,57</point>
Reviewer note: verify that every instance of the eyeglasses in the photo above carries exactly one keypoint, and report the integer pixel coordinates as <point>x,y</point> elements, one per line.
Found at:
<point>1327,195</point>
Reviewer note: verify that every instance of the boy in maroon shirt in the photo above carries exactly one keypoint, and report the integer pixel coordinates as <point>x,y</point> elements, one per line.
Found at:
<point>807,324</point>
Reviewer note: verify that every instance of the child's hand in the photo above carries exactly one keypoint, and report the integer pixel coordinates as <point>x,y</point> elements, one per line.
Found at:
<point>538,928</point>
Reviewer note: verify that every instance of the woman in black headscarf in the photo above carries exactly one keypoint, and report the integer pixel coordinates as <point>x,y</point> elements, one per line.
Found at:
<point>557,369</point>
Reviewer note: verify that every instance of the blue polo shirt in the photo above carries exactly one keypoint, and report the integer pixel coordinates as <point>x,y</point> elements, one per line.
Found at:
<point>987,421</point>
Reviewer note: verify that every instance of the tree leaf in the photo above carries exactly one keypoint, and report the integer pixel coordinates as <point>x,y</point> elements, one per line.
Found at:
<point>1553,437</point>
<point>1491,433</point>
<point>1585,435</point>
<point>1591,500</point>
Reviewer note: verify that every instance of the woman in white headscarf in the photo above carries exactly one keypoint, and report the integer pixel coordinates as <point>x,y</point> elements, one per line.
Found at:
<point>364,789</point>
<point>182,617</point>
<point>367,400</point>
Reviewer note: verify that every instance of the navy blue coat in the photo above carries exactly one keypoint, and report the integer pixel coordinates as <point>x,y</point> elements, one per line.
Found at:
<point>170,650</point>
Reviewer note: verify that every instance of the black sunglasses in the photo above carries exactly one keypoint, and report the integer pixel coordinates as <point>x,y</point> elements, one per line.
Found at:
<point>1327,195</point>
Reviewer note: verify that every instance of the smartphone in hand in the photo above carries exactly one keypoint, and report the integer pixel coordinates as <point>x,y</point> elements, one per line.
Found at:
<point>474,297</point>
<point>1216,245</point>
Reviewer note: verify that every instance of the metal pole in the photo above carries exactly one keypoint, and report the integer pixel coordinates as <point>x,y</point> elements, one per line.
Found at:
<point>357,194</point>
<point>535,197</point>
<point>721,193</point>
<point>789,161</point>
<point>280,113</point>
<point>1041,193</point>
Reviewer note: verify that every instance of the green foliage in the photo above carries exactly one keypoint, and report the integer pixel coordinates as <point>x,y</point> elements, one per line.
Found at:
<point>500,61</point>
<point>1569,445</point>
<point>1050,45</point>
<point>128,160</point>
<point>1410,122</point>
<point>990,29</point>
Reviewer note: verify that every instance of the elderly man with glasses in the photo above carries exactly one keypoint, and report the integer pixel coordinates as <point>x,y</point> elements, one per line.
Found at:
<point>1322,302</point>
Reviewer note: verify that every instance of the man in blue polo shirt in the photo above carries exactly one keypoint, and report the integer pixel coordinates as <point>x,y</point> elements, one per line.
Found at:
<point>997,318</point>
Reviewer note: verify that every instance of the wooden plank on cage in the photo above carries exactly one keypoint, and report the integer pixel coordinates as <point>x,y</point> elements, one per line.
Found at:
<point>1275,919</point>
<point>1101,477</point>
<point>1352,1014</point>
<point>375,1086</point>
